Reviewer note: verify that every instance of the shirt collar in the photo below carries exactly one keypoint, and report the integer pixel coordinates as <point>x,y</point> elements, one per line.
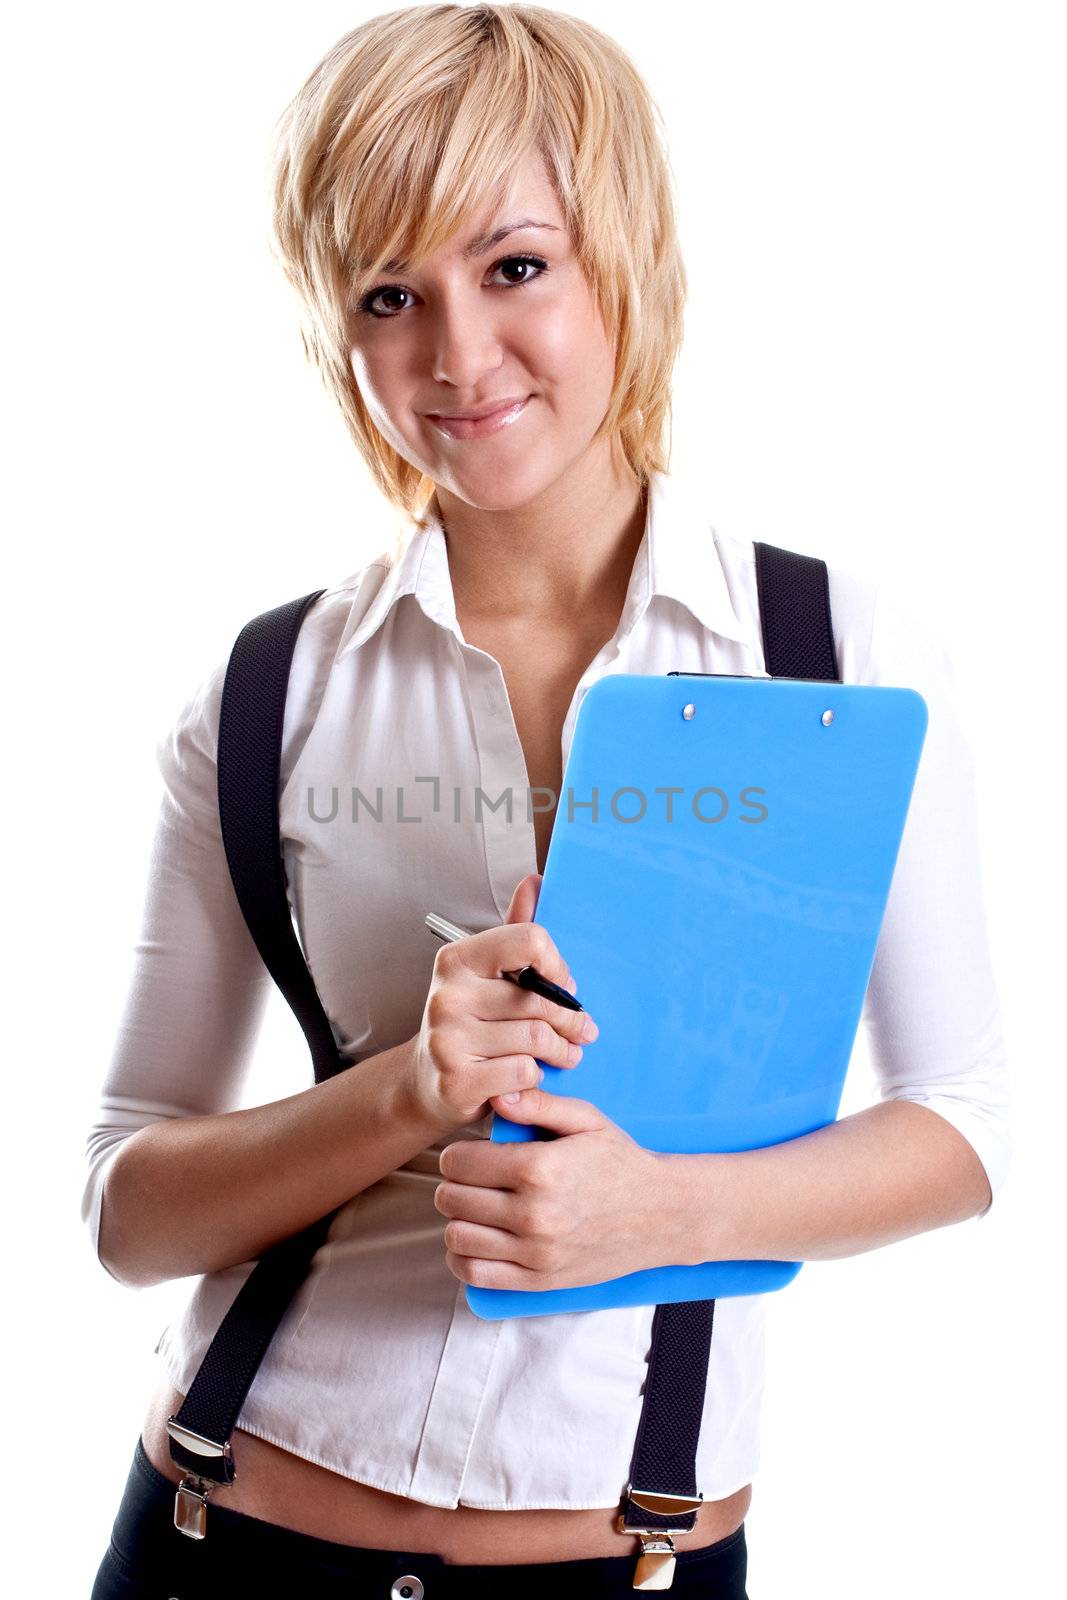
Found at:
<point>677,558</point>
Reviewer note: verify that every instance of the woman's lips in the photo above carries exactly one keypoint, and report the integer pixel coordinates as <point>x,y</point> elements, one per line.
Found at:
<point>467,428</point>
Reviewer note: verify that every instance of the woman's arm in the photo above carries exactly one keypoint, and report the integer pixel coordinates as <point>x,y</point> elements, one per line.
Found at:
<point>196,1194</point>
<point>868,1180</point>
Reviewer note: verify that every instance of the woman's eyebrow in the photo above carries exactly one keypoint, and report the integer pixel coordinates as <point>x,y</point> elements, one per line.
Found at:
<point>486,241</point>
<point>483,241</point>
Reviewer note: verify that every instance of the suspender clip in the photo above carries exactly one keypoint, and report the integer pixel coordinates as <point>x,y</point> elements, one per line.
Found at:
<point>190,1506</point>
<point>655,1564</point>
<point>190,1502</point>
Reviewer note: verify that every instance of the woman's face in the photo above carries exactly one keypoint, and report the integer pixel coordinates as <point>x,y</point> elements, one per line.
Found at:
<point>467,331</point>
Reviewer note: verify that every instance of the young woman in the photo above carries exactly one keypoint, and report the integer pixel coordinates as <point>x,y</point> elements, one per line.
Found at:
<point>474,206</point>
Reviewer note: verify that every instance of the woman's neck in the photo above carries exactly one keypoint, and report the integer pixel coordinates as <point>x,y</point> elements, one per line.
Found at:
<point>566,555</point>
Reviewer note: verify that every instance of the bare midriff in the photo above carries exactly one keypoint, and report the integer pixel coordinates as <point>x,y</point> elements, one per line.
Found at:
<point>277,1486</point>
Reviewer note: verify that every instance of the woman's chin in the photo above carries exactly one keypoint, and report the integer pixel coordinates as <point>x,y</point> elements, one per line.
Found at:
<point>500,487</point>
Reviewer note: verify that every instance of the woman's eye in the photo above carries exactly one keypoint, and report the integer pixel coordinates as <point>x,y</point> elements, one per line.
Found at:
<point>367,303</point>
<point>523,261</point>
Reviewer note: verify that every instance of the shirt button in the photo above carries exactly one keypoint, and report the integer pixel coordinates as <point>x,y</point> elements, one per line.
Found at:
<point>407,1588</point>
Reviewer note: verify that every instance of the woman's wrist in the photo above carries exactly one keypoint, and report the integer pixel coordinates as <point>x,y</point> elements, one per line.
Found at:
<point>409,1107</point>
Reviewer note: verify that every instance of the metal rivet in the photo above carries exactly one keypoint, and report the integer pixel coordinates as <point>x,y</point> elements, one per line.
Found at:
<point>827,718</point>
<point>689,711</point>
<point>407,1588</point>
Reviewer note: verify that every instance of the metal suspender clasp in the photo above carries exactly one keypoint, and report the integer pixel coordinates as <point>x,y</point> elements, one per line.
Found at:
<point>190,1502</point>
<point>655,1564</point>
<point>190,1507</point>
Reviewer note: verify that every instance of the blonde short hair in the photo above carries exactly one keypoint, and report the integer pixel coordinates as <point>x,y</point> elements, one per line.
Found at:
<point>415,120</point>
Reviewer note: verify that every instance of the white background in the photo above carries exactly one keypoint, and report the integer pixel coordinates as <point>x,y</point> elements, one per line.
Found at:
<point>872,200</point>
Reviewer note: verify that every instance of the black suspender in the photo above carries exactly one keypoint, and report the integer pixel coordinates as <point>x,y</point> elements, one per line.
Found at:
<point>249,749</point>
<point>661,1499</point>
<point>794,603</point>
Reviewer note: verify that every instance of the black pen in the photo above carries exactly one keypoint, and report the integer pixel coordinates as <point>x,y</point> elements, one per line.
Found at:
<point>526,977</point>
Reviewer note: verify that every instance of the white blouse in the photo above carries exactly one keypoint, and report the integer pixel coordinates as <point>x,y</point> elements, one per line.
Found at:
<point>380,1371</point>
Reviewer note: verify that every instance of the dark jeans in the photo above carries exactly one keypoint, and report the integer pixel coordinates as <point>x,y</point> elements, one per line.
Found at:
<point>148,1559</point>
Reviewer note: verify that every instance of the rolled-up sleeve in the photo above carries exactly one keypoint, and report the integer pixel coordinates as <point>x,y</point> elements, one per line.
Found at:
<point>198,985</point>
<point>932,1011</point>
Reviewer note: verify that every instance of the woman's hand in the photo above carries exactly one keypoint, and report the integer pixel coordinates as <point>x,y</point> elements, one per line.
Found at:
<point>555,1213</point>
<point>482,1035</point>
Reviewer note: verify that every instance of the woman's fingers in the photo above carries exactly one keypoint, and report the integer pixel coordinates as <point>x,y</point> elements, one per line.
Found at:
<point>558,1045</point>
<point>501,1001</point>
<point>524,899</point>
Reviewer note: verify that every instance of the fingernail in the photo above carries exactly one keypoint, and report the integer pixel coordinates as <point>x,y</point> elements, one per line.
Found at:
<point>589,1029</point>
<point>511,1098</point>
<point>575,1051</point>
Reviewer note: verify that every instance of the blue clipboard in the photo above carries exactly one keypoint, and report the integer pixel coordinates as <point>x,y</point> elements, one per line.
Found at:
<point>722,935</point>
